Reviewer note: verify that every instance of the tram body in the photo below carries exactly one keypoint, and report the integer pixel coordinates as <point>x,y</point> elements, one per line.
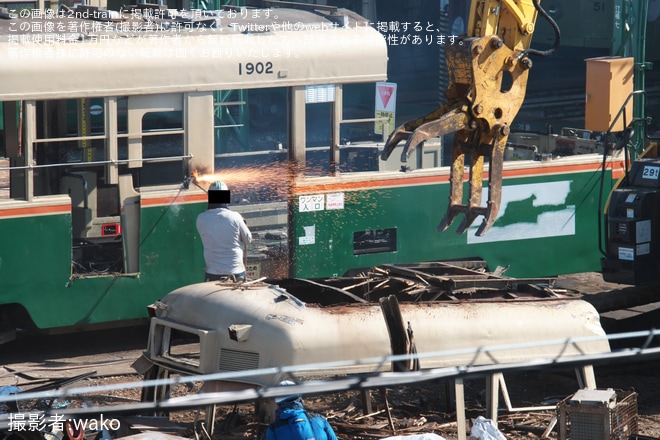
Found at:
<point>105,132</point>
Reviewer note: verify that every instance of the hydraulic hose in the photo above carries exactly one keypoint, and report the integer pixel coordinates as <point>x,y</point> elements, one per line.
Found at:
<point>555,27</point>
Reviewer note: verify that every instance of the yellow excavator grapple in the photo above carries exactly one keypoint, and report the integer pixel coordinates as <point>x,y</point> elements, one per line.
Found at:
<point>487,70</point>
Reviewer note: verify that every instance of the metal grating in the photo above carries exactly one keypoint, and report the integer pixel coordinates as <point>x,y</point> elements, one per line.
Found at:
<point>621,229</point>
<point>594,420</point>
<point>624,418</point>
<point>585,426</point>
<point>235,360</point>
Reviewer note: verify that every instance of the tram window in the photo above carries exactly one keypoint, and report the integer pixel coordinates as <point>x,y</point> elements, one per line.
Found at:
<point>317,138</point>
<point>357,143</point>
<point>162,138</point>
<point>359,102</point>
<point>374,241</point>
<point>229,127</point>
<point>250,121</point>
<point>317,123</point>
<point>267,117</point>
<point>179,345</point>
<point>251,139</point>
<point>359,158</point>
<point>79,119</point>
<point>8,112</point>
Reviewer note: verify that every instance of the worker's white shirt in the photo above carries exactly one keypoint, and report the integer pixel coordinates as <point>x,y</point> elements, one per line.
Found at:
<point>224,234</point>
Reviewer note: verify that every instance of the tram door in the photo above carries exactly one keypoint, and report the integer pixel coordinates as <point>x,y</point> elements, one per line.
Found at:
<point>251,144</point>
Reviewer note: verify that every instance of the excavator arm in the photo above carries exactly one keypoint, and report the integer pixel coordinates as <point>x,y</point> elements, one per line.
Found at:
<point>487,69</point>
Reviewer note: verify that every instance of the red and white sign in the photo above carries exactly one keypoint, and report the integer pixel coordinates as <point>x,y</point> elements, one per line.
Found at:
<point>385,107</point>
<point>386,96</point>
<point>334,201</point>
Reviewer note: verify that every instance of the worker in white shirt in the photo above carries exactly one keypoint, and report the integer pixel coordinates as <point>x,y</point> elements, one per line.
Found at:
<point>225,237</point>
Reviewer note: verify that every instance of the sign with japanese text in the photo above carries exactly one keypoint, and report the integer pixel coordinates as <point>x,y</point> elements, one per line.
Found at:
<point>334,201</point>
<point>311,203</point>
<point>385,107</point>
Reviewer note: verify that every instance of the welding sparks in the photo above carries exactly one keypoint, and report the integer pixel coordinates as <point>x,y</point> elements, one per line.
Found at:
<point>264,181</point>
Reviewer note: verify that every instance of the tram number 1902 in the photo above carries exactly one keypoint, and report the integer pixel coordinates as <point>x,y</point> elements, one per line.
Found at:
<point>255,68</point>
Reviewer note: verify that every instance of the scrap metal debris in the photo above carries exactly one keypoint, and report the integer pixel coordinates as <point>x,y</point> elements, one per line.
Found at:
<point>468,279</point>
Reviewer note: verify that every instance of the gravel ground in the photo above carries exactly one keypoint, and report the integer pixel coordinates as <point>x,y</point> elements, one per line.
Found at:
<point>423,408</point>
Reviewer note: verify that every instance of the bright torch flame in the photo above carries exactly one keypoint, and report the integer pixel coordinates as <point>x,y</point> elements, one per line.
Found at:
<point>274,178</point>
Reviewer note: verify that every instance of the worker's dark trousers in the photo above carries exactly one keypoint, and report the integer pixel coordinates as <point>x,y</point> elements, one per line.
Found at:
<point>233,277</point>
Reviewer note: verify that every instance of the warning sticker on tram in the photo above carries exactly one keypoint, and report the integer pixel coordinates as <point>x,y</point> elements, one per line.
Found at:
<point>335,201</point>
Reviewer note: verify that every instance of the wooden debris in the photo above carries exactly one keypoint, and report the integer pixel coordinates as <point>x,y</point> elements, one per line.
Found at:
<point>369,415</point>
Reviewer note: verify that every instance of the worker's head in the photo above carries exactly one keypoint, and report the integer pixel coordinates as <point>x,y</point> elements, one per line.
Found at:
<point>287,399</point>
<point>218,195</point>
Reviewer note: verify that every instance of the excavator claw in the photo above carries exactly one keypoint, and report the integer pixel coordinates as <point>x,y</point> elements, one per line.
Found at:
<point>479,111</point>
<point>446,119</point>
<point>473,209</point>
<point>487,70</point>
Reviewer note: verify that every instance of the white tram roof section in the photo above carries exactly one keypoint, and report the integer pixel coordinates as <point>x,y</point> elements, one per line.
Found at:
<point>280,329</point>
<point>274,48</point>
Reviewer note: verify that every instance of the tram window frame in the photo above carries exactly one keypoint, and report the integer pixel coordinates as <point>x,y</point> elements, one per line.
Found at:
<point>168,169</point>
<point>79,144</point>
<point>181,346</point>
<point>239,130</point>
<point>352,145</point>
<point>8,118</point>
